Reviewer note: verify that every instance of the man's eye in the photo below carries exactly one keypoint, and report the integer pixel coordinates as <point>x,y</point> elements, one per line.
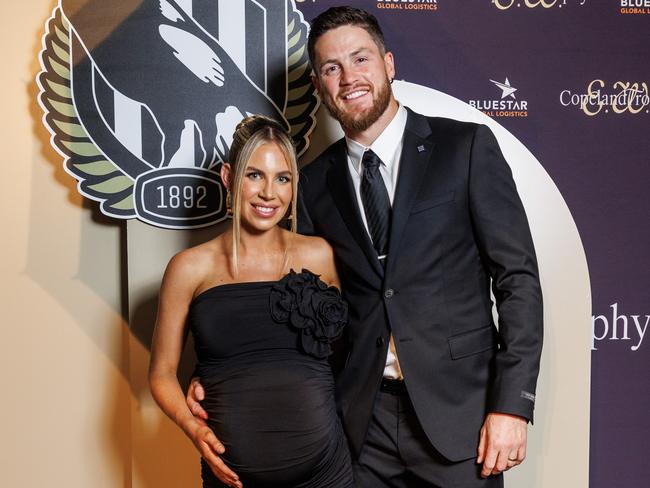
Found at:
<point>362,60</point>
<point>331,69</point>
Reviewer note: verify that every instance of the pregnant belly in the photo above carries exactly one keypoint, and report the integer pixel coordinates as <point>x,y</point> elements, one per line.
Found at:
<point>276,417</point>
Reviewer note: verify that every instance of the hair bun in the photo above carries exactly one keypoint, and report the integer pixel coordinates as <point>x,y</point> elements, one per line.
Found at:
<point>252,123</point>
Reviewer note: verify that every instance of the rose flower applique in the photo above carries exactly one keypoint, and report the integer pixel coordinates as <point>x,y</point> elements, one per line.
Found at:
<point>307,304</point>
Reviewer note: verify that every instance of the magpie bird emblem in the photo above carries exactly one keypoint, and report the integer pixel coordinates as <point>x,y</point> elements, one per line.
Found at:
<point>142,97</point>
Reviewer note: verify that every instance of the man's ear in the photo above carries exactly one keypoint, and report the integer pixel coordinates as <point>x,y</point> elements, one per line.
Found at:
<point>389,63</point>
<point>316,82</point>
<point>226,172</point>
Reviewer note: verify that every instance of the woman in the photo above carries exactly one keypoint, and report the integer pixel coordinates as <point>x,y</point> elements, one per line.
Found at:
<point>262,332</point>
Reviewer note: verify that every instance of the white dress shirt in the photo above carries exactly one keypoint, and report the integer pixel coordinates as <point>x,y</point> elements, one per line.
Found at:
<point>388,146</point>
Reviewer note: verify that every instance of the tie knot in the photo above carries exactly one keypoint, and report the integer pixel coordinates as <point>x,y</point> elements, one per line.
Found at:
<point>370,160</point>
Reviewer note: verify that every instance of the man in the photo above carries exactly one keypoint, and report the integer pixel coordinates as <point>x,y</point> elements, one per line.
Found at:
<point>423,215</point>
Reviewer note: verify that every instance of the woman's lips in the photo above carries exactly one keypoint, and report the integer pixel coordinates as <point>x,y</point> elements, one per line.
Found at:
<point>264,211</point>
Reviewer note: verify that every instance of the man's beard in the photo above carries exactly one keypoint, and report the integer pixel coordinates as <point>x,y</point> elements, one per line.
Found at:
<point>359,122</point>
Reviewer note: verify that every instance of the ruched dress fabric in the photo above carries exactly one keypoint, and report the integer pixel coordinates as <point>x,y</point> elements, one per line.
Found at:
<point>269,391</point>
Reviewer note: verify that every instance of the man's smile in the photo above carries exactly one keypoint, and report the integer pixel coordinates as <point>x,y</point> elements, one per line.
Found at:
<point>356,94</point>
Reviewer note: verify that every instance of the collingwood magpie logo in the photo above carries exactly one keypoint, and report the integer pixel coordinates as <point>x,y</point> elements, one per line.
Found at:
<point>142,97</point>
<point>508,105</point>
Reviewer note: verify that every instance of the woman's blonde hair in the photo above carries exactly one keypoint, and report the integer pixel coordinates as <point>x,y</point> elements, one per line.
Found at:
<point>251,133</point>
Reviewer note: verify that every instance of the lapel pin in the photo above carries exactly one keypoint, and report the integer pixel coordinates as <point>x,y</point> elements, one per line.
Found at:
<point>420,148</point>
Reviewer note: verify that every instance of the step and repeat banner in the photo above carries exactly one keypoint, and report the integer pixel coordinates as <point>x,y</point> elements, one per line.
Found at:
<point>141,98</point>
<point>570,79</point>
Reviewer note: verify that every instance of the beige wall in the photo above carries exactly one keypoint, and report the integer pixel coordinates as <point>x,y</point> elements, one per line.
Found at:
<point>65,406</point>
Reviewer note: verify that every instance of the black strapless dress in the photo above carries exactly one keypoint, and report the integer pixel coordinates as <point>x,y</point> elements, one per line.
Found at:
<point>262,349</point>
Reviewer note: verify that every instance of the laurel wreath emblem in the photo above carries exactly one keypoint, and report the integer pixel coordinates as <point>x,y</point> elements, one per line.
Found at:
<point>99,179</point>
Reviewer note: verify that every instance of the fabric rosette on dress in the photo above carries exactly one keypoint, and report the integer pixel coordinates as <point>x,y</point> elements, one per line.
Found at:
<point>317,311</point>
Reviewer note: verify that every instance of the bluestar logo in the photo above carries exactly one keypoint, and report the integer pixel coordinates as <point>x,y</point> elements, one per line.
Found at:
<point>410,5</point>
<point>506,106</point>
<point>507,90</point>
<point>635,7</point>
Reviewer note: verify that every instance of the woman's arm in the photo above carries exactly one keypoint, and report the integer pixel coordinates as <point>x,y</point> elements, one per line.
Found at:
<point>176,292</point>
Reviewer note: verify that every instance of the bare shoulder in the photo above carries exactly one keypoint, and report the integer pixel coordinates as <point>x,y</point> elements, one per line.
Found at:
<point>312,250</point>
<point>190,268</point>
<point>316,255</point>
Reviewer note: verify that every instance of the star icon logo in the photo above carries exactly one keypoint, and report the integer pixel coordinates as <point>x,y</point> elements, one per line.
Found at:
<point>507,90</point>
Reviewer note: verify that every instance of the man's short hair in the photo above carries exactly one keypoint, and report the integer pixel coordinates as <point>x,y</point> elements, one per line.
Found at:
<point>338,17</point>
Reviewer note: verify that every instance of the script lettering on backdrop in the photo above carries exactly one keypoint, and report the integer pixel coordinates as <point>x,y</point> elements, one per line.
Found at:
<point>599,98</point>
<point>506,4</point>
<point>142,97</point>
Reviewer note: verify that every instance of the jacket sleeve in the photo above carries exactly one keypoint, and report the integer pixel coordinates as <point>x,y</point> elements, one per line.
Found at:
<point>505,243</point>
<point>305,224</point>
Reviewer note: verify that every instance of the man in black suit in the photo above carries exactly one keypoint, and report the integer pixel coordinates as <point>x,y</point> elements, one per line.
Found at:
<point>429,384</point>
<point>423,216</point>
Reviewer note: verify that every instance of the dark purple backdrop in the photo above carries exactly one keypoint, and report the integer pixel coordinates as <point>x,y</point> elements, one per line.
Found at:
<point>601,163</point>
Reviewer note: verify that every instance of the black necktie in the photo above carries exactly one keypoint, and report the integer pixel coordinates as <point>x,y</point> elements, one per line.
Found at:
<point>376,203</point>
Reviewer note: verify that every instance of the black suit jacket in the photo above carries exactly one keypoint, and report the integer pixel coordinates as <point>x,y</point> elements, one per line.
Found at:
<point>457,221</point>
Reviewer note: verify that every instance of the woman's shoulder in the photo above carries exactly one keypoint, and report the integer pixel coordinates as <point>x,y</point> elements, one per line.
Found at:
<point>315,254</point>
<point>197,256</point>
<point>193,265</point>
<point>312,248</point>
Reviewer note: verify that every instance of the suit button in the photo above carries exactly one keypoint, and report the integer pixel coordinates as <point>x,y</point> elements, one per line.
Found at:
<point>389,293</point>
<point>380,341</point>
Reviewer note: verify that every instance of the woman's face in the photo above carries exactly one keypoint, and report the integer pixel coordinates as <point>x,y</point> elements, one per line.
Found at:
<point>266,189</point>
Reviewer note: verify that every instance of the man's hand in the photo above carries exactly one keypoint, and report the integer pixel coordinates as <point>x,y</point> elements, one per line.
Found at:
<point>502,444</point>
<point>196,393</point>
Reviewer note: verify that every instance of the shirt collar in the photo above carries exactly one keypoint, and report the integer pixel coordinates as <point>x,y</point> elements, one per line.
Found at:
<point>384,146</point>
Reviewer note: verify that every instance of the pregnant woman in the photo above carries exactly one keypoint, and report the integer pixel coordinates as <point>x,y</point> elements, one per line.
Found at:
<point>263,307</point>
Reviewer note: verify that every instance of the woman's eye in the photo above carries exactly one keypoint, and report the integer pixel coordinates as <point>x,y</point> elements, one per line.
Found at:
<point>254,175</point>
<point>284,179</point>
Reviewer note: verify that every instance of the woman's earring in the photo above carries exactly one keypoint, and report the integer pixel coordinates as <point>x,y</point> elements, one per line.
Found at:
<point>228,203</point>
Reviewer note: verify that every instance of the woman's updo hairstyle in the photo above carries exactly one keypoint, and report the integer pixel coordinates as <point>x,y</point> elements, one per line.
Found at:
<point>251,133</point>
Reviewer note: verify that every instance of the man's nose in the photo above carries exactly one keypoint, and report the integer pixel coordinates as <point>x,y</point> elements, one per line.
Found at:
<point>348,76</point>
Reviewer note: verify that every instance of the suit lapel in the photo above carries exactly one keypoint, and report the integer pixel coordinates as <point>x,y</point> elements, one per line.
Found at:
<point>416,152</point>
<point>342,190</point>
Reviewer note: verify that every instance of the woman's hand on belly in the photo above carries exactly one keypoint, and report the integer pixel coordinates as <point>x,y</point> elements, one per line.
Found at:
<point>210,449</point>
